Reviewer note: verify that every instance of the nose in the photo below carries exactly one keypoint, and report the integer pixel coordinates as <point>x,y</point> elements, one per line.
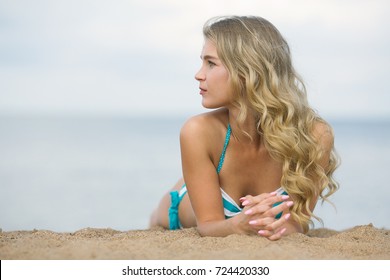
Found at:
<point>199,76</point>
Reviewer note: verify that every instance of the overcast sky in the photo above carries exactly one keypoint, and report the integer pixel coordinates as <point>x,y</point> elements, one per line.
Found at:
<point>139,57</point>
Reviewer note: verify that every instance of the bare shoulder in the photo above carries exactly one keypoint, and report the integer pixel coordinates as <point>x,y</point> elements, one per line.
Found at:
<point>207,124</point>
<point>323,133</point>
<point>204,132</point>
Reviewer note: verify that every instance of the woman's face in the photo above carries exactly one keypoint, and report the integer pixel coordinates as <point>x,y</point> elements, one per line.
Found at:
<point>213,78</point>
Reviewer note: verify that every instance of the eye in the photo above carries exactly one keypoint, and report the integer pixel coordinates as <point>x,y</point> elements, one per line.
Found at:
<point>211,64</point>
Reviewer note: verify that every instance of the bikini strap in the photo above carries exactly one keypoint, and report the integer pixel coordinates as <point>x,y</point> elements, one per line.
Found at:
<point>222,158</point>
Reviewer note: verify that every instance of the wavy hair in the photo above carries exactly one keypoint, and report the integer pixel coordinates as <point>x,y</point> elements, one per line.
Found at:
<point>265,84</point>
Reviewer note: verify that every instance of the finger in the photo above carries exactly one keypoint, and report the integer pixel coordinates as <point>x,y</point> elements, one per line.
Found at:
<point>275,199</point>
<point>249,200</point>
<point>246,200</point>
<point>271,235</point>
<point>277,224</point>
<point>269,223</point>
<point>266,198</point>
<point>265,233</point>
<point>258,209</point>
<point>273,211</point>
<point>262,223</point>
<point>277,235</point>
<point>269,209</point>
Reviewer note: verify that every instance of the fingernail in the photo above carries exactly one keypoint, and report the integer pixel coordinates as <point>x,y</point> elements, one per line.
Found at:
<point>252,222</point>
<point>289,203</point>
<point>248,212</point>
<point>283,231</point>
<point>287,216</point>
<point>273,193</point>
<point>261,232</point>
<point>246,202</point>
<point>284,197</point>
<point>242,199</point>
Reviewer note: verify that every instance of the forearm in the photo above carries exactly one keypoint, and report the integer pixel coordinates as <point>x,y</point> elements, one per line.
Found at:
<point>218,228</point>
<point>242,224</point>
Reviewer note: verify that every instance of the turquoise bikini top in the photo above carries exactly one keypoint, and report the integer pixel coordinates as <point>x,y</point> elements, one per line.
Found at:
<point>222,158</point>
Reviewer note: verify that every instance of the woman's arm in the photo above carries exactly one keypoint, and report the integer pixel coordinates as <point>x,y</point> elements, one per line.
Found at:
<point>196,142</point>
<point>197,139</point>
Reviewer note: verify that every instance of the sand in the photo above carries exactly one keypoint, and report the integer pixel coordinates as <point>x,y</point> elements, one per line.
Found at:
<point>361,242</point>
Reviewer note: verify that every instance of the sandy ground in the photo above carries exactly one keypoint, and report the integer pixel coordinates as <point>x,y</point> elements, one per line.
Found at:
<point>360,242</point>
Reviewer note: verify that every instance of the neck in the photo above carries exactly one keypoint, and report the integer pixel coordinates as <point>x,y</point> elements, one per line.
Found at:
<point>245,131</point>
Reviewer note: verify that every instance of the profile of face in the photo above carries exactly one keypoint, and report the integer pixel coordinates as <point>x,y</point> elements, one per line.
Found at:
<point>213,78</point>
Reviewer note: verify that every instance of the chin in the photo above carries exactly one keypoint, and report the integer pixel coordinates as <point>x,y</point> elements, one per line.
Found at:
<point>211,106</point>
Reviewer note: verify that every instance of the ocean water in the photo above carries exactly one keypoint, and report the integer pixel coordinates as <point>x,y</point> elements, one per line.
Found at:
<point>64,174</point>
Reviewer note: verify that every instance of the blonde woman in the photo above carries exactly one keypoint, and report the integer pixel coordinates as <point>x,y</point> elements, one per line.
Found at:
<point>259,162</point>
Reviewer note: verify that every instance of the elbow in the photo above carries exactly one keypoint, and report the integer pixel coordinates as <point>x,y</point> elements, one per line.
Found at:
<point>203,230</point>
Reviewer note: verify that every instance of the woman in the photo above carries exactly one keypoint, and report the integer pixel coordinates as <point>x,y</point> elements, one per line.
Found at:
<point>260,161</point>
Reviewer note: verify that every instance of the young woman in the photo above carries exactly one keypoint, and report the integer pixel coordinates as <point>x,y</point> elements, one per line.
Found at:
<point>258,163</point>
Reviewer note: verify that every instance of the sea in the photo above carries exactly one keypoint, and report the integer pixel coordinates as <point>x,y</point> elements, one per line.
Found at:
<point>65,173</point>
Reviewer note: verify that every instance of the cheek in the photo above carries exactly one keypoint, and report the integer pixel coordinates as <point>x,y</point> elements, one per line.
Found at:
<point>222,77</point>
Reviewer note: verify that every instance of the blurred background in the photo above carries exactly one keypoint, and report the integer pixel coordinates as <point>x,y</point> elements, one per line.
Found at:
<point>93,95</point>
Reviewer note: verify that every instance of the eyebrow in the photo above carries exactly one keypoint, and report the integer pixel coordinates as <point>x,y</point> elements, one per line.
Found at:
<point>206,57</point>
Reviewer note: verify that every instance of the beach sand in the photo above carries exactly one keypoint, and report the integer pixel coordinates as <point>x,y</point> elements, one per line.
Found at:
<point>360,242</point>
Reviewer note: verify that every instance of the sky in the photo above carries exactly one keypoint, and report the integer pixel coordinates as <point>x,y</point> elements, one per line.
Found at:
<point>139,57</point>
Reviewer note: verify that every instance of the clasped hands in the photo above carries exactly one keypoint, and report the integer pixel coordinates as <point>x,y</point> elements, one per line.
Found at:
<point>258,215</point>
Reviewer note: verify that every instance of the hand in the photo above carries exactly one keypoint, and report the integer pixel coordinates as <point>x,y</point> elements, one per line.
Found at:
<point>261,214</point>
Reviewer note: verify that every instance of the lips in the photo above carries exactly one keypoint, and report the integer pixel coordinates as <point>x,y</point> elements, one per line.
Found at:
<point>202,91</point>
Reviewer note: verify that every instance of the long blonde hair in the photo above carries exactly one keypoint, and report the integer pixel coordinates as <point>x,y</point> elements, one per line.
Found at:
<point>265,83</point>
